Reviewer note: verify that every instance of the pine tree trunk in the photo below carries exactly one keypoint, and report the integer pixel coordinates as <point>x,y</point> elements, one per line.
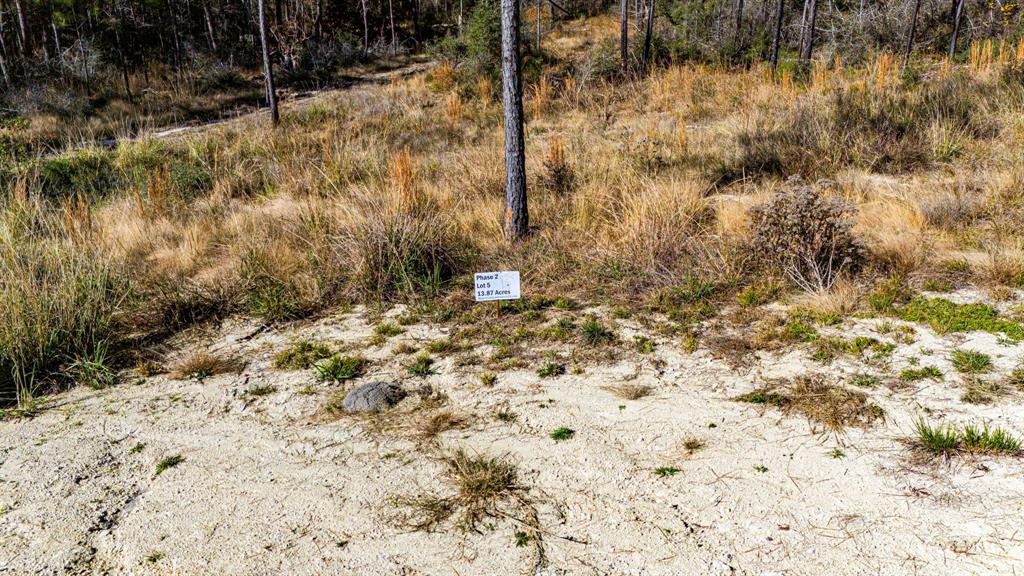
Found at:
<point>739,17</point>
<point>517,220</point>
<point>268,69</point>
<point>808,49</point>
<point>624,34</point>
<point>956,28</point>
<point>778,35</point>
<point>209,27</point>
<point>913,29</point>
<point>538,26</point>
<point>366,33</point>
<point>647,37</point>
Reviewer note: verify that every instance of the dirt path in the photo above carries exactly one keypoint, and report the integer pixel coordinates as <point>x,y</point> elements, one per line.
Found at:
<point>268,485</point>
<point>289,101</point>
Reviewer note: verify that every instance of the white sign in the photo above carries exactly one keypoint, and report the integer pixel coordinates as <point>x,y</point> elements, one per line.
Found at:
<point>492,286</point>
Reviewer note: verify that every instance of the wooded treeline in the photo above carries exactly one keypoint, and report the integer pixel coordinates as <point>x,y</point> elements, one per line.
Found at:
<point>85,42</point>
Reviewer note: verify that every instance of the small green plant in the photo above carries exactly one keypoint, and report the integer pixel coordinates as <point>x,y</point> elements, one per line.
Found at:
<point>422,366</point>
<point>522,539</point>
<point>836,454</point>
<point>918,374</point>
<point>986,441</point>
<point>261,390</point>
<point>387,329</point>
<point>168,463</point>
<point>506,415</point>
<point>799,331</point>
<point>764,396</point>
<point>970,361</point>
<point>864,380</point>
<point>643,344</point>
<point>301,355</point>
<point>594,332</point>
<point>93,371</point>
<point>561,434</point>
<point>138,447</point>
<point>939,440</point>
<point>154,557</point>
<point>551,370</point>
<point>666,471</point>
<point>338,368</point>
<point>761,468</point>
<point>488,379</point>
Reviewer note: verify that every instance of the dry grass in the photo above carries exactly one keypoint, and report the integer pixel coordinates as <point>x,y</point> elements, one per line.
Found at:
<point>441,422</point>
<point>203,364</point>
<point>630,391</point>
<point>834,407</point>
<point>482,487</point>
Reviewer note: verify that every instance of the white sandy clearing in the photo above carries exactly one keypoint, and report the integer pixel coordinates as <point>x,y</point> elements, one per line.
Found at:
<point>270,486</point>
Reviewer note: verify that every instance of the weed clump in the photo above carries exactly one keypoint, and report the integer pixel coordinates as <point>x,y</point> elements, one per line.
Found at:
<point>483,488</point>
<point>202,365</point>
<point>301,355</point>
<point>947,440</point>
<point>970,361</point>
<point>835,407</point>
<point>339,368</point>
<point>809,235</point>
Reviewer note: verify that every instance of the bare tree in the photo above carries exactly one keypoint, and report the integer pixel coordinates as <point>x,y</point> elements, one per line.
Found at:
<point>517,219</point>
<point>624,34</point>
<point>778,35</point>
<point>739,17</point>
<point>268,69</point>
<point>366,33</point>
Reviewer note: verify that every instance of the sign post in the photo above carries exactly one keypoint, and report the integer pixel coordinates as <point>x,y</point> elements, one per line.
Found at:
<point>495,286</point>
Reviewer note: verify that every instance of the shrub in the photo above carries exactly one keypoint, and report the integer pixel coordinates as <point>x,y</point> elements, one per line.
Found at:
<point>810,236</point>
<point>88,171</point>
<point>301,355</point>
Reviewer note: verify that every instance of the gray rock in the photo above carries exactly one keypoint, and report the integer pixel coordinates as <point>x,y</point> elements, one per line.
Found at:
<point>373,397</point>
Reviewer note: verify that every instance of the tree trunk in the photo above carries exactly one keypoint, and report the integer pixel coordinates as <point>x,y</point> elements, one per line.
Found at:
<point>268,69</point>
<point>391,17</point>
<point>539,6</point>
<point>913,29</point>
<point>778,35</point>
<point>209,27</point>
<point>808,49</point>
<point>956,28</point>
<point>23,38</point>
<point>624,34</point>
<point>366,33</point>
<point>647,37</point>
<point>517,220</point>
<point>739,17</point>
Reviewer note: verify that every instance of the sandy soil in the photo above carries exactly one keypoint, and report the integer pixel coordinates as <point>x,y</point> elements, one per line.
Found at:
<point>271,485</point>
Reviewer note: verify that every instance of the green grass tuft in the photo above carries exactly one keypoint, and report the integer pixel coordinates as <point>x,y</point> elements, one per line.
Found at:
<point>301,355</point>
<point>971,361</point>
<point>563,433</point>
<point>168,463</point>
<point>339,368</point>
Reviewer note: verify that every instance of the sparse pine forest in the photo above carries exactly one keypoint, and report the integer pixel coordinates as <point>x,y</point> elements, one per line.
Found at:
<point>763,243</point>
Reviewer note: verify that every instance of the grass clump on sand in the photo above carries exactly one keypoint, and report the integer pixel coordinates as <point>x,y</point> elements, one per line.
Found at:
<point>339,368</point>
<point>483,487</point>
<point>301,355</point>
<point>202,365</point>
<point>947,440</point>
<point>971,361</point>
<point>168,463</point>
<point>944,316</point>
<point>918,374</point>
<point>835,407</point>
